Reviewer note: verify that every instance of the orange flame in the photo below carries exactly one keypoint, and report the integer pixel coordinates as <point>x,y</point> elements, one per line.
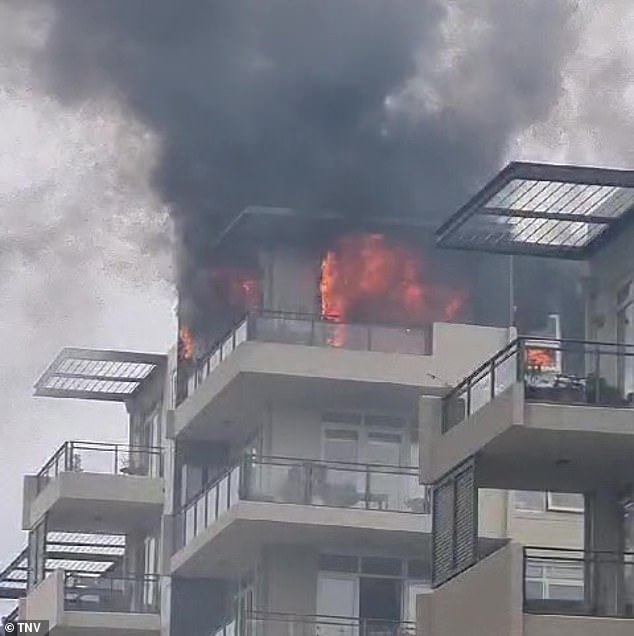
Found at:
<point>541,358</point>
<point>367,278</point>
<point>186,342</point>
<point>236,287</point>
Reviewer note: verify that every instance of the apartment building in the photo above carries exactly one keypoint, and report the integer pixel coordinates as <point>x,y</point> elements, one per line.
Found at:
<point>547,415</point>
<point>271,483</point>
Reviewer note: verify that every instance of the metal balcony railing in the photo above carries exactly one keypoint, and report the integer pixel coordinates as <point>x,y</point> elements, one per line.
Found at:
<point>578,582</point>
<point>98,457</point>
<point>552,370</point>
<point>278,624</point>
<point>311,330</point>
<point>307,482</point>
<point>124,594</point>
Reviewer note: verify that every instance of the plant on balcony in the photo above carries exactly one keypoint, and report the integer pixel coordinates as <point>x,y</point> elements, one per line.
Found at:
<point>75,463</point>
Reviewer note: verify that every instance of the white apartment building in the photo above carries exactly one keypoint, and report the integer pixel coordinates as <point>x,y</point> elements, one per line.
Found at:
<point>516,422</point>
<point>280,483</point>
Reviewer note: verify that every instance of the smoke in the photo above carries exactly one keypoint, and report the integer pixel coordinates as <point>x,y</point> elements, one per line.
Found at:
<point>82,252</point>
<point>365,107</point>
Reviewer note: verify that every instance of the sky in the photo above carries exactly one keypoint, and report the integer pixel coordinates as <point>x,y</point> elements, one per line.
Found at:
<point>86,241</point>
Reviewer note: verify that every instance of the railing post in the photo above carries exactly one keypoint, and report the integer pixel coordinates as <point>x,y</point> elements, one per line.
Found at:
<point>468,402</point>
<point>369,338</point>
<point>492,379</point>
<point>116,459</point>
<point>519,361</point>
<point>69,456</point>
<point>308,482</point>
<point>367,486</point>
<point>597,374</point>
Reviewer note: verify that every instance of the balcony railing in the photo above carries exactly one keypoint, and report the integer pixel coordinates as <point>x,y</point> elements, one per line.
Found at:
<point>307,482</point>
<point>559,371</point>
<point>97,457</point>
<point>311,330</point>
<point>577,582</point>
<point>134,594</point>
<point>277,624</point>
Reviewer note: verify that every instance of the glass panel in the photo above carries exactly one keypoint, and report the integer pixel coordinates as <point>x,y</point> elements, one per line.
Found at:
<point>387,490</point>
<point>336,596</point>
<point>190,529</point>
<point>223,491</point>
<point>535,590</point>
<point>412,590</point>
<point>234,495</point>
<point>381,565</point>
<point>211,496</point>
<point>338,487</point>
<point>565,501</point>
<point>341,445</point>
<point>530,500</point>
<point>338,563</point>
<point>241,333</point>
<point>227,347</point>
<point>563,592</point>
<point>200,515</point>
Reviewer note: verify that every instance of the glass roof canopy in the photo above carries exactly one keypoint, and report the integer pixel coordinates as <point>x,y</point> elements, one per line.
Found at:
<point>77,553</point>
<point>543,210</point>
<point>97,374</point>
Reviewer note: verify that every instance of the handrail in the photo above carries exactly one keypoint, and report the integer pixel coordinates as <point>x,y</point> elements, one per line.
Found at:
<point>280,460</point>
<point>68,456</point>
<point>486,375</point>
<point>248,321</point>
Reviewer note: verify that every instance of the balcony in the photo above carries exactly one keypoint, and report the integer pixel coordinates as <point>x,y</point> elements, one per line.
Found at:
<point>578,582</point>
<point>533,591</point>
<point>563,407</point>
<point>263,500</point>
<point>122,484</point>
<point>277,624</point>
<point>271,356</point>
<point>95,606</point>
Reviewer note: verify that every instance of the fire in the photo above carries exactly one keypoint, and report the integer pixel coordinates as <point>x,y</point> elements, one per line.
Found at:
<point>236,288</point>
<point>541,358</point>
<point>368,278</point>
<point>185,344</point>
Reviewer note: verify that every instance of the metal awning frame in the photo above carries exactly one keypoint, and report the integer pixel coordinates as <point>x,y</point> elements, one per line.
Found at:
<point>565,174</point>
<point>96,374</point>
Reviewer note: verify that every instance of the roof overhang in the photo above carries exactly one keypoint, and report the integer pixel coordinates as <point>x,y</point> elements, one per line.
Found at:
<point>95,374</point>
<point>76,553</point>
<point>543,210</point>
<point>263,224</point>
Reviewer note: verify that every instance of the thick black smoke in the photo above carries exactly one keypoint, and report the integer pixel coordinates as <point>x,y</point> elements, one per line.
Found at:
<point>366,107</point>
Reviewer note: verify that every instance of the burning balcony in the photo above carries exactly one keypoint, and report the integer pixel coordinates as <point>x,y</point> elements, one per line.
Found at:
<point>595,374</point>
<point>563,406</point>
<point>261,497</point>
<point>123,484</point>
<point>313,331</point>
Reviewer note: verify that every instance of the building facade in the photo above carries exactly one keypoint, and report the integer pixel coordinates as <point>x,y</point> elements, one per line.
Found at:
<point>520,422</point>
<point>296,474</point>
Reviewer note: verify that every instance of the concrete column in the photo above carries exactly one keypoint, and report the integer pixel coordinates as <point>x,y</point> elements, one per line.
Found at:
<point>604,542</point>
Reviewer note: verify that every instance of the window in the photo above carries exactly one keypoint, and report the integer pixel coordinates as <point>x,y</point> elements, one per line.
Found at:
<point>530,500</point>
<point>535,501</point>
<point>565,502</point>
<point>554,580</point>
